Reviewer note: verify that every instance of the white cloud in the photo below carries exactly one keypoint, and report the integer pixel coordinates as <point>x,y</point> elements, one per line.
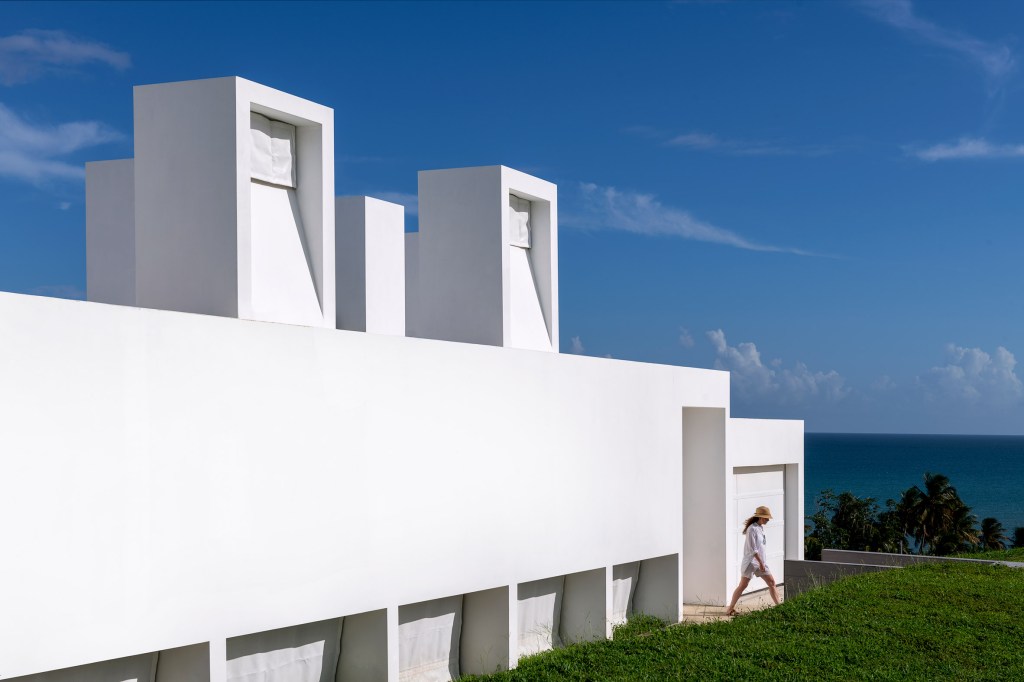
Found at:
<point>711,142</point>
<point>753,379</point>
<point>685,338</point>
<point>27,150</point>
<point>974,376</point>
<point>576,346</point>
<point>64,205</point>
<point>696,141</point>
<point>410,201</point>
<point>610,208</point>
<point>996,60</point>
<point>31,54</point>
<point>968,148</point>
<point>884,383</point>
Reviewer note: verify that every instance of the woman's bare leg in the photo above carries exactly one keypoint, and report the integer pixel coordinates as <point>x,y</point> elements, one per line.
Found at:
<point>737,593</point>
<point>771,589</point>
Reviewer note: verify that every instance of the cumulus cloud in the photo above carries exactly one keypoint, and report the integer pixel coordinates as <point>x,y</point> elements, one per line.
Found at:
<point>752,378</point>
<point>884,383</point>
<point>967,148</point>
<point>995,59</point>
<point>29,55</point>
<point>685,338</point>
<point>610,208</point>
<point>410,201</point>
<point>576,346</point>
<point>974,376</point>
<point>31,152</point>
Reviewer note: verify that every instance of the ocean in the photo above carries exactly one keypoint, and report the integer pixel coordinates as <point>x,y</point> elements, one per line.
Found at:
<point>987,471</point>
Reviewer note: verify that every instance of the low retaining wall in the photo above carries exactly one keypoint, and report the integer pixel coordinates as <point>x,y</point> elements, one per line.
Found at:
<point>804,575</point>
<point>846,556</point>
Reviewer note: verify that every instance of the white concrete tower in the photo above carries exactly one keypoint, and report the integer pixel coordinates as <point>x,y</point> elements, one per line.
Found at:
<point>233,192</point>
<point>486,267</point>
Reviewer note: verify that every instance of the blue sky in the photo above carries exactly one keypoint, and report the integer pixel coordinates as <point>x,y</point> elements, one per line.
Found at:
<point>823,198</point>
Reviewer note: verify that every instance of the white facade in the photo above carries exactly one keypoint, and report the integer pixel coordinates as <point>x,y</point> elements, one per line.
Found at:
<point>202,497</point>
<point>370,259</point>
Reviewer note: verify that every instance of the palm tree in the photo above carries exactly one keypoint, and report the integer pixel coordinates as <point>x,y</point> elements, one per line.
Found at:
<point>942,522</point>
<point>993,535</point>
<point>958,534</point>
<point>905,511</point>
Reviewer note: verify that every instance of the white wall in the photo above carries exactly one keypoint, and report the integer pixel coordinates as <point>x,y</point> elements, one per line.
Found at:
<point>209,477</point>
<point>110,231</point>
<point>459,296</point>
<point>705,534</point>
<point>762,447</point>
<point>370,261</point>
<point>186,213</point>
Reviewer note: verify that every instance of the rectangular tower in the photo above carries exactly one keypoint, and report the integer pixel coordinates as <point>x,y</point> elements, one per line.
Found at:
<point>234,202</point>
<point>487,267</point>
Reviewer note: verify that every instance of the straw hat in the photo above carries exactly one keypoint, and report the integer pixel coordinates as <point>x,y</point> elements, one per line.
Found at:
<point>763,512</point>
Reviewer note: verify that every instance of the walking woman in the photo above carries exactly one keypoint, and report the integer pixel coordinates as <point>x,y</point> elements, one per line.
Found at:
<point>755,558</point>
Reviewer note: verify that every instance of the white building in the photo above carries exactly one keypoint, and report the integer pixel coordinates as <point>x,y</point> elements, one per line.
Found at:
<point>286,441</point>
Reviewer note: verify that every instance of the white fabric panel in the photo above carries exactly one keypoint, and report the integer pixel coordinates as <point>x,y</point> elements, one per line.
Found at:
<point>364,648</point>
<point>273,150</point>
<point>756,486</point>
<point>528,328</point>
<point>539,608</point>
<point>131,669</point>
<point>428,640</point>
<point>297,664</point>
<point>303,653</point>
<point>518,221</point>
<point>184,664</point>
<point>282,284</point>
<point>623,587</point>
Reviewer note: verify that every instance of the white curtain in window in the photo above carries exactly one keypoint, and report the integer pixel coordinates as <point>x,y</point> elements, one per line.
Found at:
<point>539,611</point>
<point>273,150</point>
<point>302,653</point>
<point>428,640</point>
<point>624,579</point>
<point>519,221</point>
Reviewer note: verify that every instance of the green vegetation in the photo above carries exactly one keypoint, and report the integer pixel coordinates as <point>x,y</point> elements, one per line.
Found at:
<point>927,520</point>
<point>935,622</point>
<point>638,625</point>
<point>1015,554</point>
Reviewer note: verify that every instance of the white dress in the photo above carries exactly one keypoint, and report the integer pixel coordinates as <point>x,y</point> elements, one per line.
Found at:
<point>755,545</point>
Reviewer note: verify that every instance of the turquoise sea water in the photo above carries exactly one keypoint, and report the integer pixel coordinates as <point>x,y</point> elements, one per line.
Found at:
<point>987,471</point>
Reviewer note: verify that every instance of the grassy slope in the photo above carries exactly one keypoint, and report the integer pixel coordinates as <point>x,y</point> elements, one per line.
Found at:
<point>925,622</point>
<point>1016,554</point>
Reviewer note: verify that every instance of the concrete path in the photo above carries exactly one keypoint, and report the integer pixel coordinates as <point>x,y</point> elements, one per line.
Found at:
<point>753,601</point>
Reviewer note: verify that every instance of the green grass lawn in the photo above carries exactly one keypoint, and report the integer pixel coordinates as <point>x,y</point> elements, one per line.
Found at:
<point>1016,554</point>
<point>935,622</point>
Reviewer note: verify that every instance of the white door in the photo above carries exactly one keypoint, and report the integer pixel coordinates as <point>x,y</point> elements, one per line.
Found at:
<point>757,486</point>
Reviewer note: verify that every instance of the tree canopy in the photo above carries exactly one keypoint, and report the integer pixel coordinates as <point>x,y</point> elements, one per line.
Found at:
<point>926,519</point>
